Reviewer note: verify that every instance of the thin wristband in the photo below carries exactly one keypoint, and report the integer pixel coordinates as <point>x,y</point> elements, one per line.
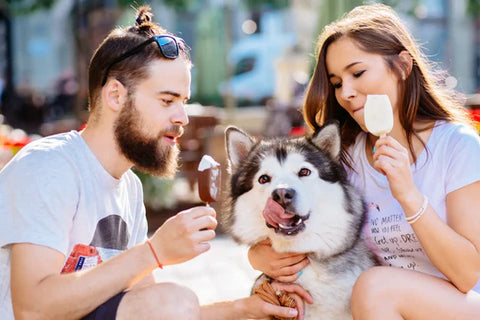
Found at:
<point>419,213</point>
<point>154,254</point>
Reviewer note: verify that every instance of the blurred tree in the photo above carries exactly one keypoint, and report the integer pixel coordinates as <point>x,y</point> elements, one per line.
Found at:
<point>474,8</point>
<point>180,4</point>
<point>21,6</point>
<point>274,4</point>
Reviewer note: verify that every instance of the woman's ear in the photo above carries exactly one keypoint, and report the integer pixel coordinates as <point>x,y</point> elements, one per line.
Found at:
<point>406,62</point>
<point>114,94</point>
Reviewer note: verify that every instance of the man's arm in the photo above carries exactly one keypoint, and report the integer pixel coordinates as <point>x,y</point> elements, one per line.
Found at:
<point>254,307</point>
<point>38,288</point>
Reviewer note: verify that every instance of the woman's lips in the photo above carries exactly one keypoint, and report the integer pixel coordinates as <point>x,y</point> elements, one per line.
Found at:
<point>358,109</point>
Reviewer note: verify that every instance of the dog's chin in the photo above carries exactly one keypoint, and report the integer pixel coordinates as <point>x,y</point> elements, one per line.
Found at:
<point>294,226</point>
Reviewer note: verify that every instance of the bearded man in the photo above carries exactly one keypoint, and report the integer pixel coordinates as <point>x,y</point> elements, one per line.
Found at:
<point>73,231</point>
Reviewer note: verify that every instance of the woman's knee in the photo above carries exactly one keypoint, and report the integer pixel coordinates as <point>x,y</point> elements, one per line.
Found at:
<point>372,286</point>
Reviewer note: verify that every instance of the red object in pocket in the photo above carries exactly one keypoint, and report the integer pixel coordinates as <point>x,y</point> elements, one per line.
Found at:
<point>82,257</point>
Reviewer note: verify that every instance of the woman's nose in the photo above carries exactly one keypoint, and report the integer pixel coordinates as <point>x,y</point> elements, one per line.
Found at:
<point>348,91</point>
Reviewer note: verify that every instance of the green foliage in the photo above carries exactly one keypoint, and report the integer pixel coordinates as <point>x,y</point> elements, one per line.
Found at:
<point>180,4</point>
<point>21,6</point>
<point>157,192</point>
<point>274,4</point>
<point>474,8</point>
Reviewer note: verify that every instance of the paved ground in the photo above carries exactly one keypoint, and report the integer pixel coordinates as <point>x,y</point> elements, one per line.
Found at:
<point>222,273</point>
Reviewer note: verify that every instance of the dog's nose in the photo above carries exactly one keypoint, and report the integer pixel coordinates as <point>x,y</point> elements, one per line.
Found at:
<point>283,196</point>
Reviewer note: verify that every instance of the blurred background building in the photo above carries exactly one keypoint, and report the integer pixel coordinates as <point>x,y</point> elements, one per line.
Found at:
<point>251,50</point>
<point>252,60</point>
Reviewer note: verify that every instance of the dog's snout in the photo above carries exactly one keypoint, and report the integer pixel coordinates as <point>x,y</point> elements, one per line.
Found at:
<point>283,196</point>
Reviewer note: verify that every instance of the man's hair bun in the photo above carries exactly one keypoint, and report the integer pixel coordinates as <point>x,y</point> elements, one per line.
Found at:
<point>144,19</point>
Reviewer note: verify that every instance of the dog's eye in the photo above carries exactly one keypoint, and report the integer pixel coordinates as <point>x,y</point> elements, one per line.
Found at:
<point>263,179</point>
<point>304,172</point>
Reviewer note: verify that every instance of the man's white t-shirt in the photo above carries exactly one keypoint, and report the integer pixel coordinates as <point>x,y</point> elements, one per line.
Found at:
<point>452,162</point>
<point>55,193</point>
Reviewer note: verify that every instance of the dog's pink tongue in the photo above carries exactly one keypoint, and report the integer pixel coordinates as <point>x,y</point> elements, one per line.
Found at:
<point>274,214</point>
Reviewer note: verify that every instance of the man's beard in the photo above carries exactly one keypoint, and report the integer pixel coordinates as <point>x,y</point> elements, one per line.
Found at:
<point>147,154</point>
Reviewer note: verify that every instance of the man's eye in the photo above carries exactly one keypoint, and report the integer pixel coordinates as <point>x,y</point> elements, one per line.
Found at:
<point>304,172</point>
<point>167,101</point>
<point>264,179</point>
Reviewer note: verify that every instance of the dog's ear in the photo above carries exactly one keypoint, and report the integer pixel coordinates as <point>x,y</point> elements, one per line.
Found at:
<point>328,138</point>
<point>238,145</point>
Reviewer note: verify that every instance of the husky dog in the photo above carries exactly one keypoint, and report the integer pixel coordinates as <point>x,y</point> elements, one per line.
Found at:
<point>295,192</point>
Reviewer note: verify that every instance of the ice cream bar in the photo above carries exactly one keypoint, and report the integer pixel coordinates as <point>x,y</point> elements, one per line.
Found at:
<point>378,114</point>
<point>208,179</point>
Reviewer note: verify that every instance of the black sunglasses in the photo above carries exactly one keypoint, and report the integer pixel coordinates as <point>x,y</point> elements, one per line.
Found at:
<point>168,46</point>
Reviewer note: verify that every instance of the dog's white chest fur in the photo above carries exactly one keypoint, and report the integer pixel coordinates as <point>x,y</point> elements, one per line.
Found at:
<point>334,293</point>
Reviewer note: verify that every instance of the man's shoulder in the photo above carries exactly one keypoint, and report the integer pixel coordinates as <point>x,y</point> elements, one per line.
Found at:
<point>48,156</point>
<point>50,148</point>
<point>57,142</point>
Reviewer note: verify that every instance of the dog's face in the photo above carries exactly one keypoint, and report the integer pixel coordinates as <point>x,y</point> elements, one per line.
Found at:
<point>290,190</point>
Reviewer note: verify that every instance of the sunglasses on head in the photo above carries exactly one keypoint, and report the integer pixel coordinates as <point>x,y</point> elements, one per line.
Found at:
<point>167,44</point>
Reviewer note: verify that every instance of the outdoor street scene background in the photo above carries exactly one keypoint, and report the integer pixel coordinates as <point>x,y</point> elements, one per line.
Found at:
<point>252,61</point>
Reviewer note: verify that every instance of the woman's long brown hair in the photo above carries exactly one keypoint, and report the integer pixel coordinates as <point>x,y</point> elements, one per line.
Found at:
<point>377,29</point>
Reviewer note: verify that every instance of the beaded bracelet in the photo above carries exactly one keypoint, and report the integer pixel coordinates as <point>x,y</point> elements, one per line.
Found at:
<point>419,213</point>
<point>154,254</point>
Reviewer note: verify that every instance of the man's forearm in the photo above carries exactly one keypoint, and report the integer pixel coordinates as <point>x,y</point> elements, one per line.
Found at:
<point>225,310</point>
<point>70,296</point>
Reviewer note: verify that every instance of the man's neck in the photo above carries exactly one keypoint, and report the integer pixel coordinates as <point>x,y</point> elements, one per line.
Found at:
<point>101,141</point>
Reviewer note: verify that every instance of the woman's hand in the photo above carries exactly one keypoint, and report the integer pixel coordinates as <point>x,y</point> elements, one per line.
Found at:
<point>393,160</point>
<point>284,267</point>
<point>298,293</point>
<point>254,307</point>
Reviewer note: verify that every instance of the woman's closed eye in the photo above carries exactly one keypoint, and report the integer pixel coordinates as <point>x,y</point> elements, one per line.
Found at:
<point>358,74</point>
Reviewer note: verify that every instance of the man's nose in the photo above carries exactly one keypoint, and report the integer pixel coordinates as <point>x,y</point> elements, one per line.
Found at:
<point>180,116</point>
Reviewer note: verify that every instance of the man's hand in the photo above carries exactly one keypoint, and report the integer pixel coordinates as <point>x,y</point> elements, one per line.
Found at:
<point>185,235</point>
<point>254,307</point>
<point>283,267</point>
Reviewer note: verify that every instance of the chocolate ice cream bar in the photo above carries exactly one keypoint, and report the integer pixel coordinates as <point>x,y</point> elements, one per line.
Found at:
<point>208,179</point>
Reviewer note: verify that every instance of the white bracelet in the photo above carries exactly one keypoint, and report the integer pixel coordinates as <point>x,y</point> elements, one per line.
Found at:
<point>419,213</point>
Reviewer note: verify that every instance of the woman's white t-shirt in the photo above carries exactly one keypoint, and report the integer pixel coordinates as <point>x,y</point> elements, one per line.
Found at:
<point>451,161</point>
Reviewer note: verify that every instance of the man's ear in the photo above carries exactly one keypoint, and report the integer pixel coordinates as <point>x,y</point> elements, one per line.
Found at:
<point>114,94</point>
<point>406,61</point>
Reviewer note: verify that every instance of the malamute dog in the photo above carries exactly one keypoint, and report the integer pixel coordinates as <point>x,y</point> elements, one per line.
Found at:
<point>295,192</point>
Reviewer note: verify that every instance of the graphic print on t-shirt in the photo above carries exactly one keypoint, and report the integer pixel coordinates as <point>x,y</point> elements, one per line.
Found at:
<point>392,239</point>
<point>109,239</point>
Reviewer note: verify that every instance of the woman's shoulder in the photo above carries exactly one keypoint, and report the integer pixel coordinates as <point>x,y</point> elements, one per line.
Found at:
<point>453,132</point>
<point>456,140</point>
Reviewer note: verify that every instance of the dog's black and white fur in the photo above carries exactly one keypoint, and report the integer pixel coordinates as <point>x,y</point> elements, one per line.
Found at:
<point>305,176</point>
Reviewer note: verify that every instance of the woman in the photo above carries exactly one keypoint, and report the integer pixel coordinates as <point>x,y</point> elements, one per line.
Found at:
<point>421,182</point>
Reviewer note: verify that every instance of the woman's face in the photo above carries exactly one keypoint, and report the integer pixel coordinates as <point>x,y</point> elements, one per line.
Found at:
<point>355,73</point>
